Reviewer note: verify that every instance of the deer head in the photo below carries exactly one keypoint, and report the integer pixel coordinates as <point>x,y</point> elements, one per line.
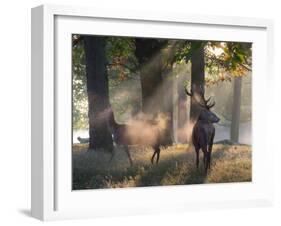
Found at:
<point>204,105</point>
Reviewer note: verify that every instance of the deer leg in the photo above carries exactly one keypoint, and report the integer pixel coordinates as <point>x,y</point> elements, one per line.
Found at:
<point>197,157</point>
<point>206,158</point>
<point>210,156</point>
<point>210,149</point>
<point>158,154</point>
<point>152,158</point>
<point>128,154</point>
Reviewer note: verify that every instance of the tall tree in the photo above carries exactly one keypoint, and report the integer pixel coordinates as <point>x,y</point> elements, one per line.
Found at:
<point>97,89</point>
<point>150,64</point>
<point>235,118</point>
<point>192,51</point>
<point>197,76</point>
<point>149,56</point>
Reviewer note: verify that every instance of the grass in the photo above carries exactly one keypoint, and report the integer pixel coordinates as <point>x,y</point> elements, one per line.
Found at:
<point>92,170</point>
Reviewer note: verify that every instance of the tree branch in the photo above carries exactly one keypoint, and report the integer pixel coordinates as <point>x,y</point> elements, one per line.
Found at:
<point>76,41</point>
<point>122,65</point>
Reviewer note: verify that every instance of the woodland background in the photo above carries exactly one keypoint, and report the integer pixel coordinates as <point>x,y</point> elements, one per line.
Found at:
<point>141,78</point>
<point>15,189</point>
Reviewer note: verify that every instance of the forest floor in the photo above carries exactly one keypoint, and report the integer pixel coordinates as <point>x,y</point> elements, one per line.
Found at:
<point>230,163</point>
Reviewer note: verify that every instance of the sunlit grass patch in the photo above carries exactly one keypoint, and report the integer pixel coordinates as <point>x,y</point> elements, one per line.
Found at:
<point>235,166</point>
<point>176,167</point>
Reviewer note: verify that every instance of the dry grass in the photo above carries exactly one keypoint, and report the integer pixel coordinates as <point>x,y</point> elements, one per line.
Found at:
<point>176,166</point>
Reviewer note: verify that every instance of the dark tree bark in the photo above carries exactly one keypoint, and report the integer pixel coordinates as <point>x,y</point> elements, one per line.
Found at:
<point>97,88</point>
<point>197,77</point>
<point>235,118</point>
<point>148,53</point>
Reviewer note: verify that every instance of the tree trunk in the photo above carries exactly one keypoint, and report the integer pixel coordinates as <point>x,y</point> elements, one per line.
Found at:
<point>197,79</point>
<point>151,80</point>
<point>98,97</point>
<point>148,53</point>
<point>234,135</point>
<point>149,57</point>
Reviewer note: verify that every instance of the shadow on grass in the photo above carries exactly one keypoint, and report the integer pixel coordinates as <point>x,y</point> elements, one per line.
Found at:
<point>92,171</point>
<point>177,171</point>
<point>169,171</point>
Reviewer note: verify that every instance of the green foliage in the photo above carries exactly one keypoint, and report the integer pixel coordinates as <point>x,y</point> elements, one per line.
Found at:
<point>119,47</point>
<point>237,54</point>
<point>122,66</point>
<point>123,76</point>
<point>225,60</point>
<point>79,101</point>
<point>183,54</point>
<point>122,62</point>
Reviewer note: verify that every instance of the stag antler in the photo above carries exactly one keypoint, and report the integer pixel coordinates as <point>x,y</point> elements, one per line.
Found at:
<point>208,106</point>
<point>189,93</point>
<point>205,101</point>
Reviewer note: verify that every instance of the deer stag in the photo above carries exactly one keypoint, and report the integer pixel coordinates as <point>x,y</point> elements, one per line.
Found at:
<point>203,132</point>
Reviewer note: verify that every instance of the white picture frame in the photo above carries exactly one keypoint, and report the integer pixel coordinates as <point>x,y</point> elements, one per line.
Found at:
<point>52,197</point>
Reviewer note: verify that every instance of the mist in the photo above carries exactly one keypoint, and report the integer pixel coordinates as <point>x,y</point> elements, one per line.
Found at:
<point>127,96</point>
